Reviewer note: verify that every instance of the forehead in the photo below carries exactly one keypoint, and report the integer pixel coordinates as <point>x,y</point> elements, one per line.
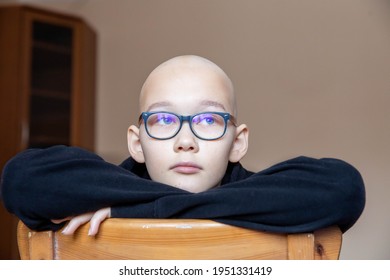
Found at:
<point>187,88</point>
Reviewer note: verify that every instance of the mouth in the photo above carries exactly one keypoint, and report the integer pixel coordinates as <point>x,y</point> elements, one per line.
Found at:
<point>186,168</point>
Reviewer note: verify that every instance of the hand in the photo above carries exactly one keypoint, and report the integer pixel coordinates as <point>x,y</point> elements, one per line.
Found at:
<point>95,219</point>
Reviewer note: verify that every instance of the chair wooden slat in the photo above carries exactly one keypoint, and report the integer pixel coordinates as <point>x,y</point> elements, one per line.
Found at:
<point>176,239</point>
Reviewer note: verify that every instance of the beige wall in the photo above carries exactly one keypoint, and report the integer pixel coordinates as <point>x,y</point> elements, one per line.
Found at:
<point>312,78</point>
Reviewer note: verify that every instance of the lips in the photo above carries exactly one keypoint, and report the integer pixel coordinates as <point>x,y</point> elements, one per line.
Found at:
<point>186,168</point>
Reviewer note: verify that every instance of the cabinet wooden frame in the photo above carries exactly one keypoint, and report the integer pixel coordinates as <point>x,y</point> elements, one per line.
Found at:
<point>16,45</point>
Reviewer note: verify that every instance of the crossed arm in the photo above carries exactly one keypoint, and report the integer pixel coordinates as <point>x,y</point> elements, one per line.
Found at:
<point>45,188</point>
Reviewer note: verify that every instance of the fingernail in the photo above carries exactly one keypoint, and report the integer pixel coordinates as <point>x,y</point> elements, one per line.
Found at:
<point>64,231</point>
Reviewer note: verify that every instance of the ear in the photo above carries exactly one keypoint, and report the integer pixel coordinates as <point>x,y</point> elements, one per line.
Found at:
<point>134,144</point>
<point>240,144</point>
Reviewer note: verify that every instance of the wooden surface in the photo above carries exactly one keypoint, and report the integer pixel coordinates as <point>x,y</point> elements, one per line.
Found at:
<point>327,243</point>
<point>10,110</point>
<point>176,239</point>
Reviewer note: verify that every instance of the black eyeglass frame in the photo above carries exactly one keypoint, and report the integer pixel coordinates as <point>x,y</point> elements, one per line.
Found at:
<point>226,116</point>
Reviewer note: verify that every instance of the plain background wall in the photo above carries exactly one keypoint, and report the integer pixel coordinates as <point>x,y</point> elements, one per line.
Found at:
<point>312,78</point>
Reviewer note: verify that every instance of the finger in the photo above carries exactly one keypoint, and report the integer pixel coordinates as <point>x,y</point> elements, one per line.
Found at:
<point>59,221</point>
<point>97,219</point>
<point>76,222</point>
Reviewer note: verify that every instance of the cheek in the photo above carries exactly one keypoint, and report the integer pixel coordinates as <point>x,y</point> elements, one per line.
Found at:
<point>150,147</point>
<point>156,155</point>
<point>214,152</point>
<point>220,149</point>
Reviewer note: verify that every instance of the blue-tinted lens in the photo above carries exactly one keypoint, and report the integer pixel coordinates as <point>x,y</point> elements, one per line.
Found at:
<point>208,125</point>
<point>162,125</point>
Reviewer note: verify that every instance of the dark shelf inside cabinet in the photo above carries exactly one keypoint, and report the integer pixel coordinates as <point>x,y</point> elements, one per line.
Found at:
<point>51,70</point>
<point>49,122</point>
<point>52,34</point>
<point>50,94</point>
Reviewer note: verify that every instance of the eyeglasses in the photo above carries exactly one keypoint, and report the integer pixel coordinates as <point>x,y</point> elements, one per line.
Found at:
<point>205,125</point>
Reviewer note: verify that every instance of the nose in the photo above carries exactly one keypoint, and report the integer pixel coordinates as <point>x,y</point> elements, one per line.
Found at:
<point>185,140</point>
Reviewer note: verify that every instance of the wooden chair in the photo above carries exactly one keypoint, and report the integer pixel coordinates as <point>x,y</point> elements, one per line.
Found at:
<point>148,239</point>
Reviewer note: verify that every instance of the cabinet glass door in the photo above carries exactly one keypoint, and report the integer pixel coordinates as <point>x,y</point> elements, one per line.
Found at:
<point>51,74</point>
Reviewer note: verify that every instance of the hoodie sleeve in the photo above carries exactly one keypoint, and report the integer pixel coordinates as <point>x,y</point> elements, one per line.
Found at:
<point>43,184</point>
<point>298,195</point>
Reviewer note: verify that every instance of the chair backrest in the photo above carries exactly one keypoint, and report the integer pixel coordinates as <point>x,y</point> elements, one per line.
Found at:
<point>149,239</point>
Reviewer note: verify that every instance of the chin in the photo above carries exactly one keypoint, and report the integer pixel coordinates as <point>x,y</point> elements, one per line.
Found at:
<point>191,188</point>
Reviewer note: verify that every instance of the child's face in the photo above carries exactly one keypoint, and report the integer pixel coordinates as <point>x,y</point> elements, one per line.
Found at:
<point>185,161</point>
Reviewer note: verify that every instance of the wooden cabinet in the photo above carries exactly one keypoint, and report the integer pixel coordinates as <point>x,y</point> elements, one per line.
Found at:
<point>47,89</point>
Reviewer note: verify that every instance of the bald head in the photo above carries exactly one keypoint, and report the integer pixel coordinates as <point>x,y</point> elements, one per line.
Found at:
<point>188,71</point>
<point>187,86</point>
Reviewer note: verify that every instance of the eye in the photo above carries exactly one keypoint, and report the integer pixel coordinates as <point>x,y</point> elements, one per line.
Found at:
<point>209,120</point>
<point>205,119</point>
<point>164,119</point>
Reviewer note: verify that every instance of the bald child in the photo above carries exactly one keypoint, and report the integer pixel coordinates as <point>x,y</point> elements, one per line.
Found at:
<point>184,163</point>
